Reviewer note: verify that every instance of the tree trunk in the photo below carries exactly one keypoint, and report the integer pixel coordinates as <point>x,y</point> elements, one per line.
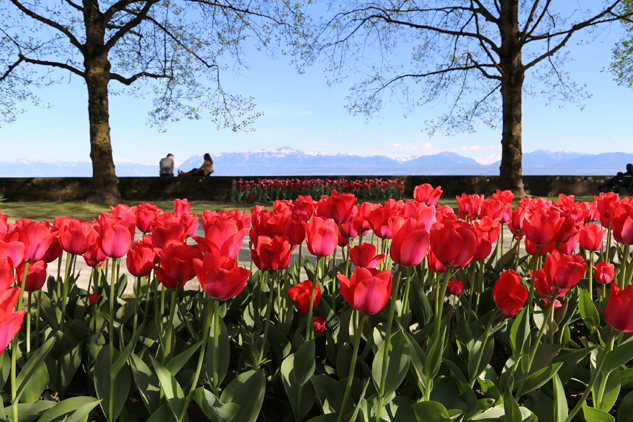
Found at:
<point>97,75</point>
<point>511,169</point>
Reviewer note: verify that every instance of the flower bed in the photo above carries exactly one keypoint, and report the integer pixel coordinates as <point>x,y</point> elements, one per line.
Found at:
<point>265,190</point>
<point>401,311</point>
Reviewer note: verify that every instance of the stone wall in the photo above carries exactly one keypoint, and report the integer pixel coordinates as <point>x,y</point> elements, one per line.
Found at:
<point>135,189</point>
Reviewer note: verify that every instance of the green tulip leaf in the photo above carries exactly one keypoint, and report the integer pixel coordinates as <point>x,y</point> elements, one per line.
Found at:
<point>520,332</point>
<point>171,388</point>
<point>596,415</point>
<point>224,352</point>
<point>31,367</point>
<point>247,390</point>
<point>625,411</point>
<point>418,358</point>
<point>175,365</point>
<point>213,408</point>
<point>540,377</point>
<point>431,411</point>
<point>74,409</point>
<point>304,362</point>
<point>329,392</point>
<point>618,356</point>
<point>397,363</point>
<point>36,385</point>
<point>301,403</point>
<point>588,310</point>
<point>122,383</point>
<point>146,383</point>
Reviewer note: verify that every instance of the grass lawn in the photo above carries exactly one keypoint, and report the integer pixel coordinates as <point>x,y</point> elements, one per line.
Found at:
<point>37,211</point>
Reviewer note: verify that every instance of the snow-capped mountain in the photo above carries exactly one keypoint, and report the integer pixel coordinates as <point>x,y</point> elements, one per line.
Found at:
<point>287,161</point>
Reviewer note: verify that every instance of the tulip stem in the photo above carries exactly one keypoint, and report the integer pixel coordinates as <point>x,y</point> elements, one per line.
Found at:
<point>591,275</point>
<point>14,350</point>
<point>96,293</point>
<point>172,311</point>
<point>594,376</point>
<point>546,323</point>
<point>92,272</point>
<point>37,319</point>
<point>350,377</point>
<point>333,282</point>
<point>405,305</point>
<point>203,347</point>
<point>532,277</point>
<point>310,325</point>
<point>387,342</point>
<point>28,325</point>
<point>111,342</point>
<point>440,303</point>
<point>216,348</point>
<point>65,291</point>
<point>623,263</point>
<point>269,307</point>
<point>136,295</point>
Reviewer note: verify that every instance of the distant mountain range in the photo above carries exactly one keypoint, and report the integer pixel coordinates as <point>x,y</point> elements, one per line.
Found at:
<point>287,161</point>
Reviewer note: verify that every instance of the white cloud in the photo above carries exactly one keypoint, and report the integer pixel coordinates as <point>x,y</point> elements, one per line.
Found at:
<point>489,159</point>
<point>481,148</point>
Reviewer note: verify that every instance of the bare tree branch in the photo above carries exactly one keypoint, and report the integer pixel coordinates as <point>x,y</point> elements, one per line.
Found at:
<point>131,79</point>
<point>53,64</point>
<point>139,17</point>
<point>10,69</point>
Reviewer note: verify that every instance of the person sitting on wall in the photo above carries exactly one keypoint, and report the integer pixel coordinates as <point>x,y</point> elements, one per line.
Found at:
<point>205,170</point>
<point>166,166</point>
<point>610,181</point>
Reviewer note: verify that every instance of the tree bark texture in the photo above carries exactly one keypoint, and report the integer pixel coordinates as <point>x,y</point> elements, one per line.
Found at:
<point>513,75</point>
<point>97,76</point>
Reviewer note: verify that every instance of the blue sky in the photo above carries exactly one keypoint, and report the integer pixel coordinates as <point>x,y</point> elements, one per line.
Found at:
<point>302,112</point>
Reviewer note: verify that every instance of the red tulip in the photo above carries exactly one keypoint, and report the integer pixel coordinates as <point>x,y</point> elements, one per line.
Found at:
<point>271,254</point>
<point>294,230</point>
<point>543,226</point>
<point>146,217</point>
<point>426,194</point>
<point>381,222</point>
<point>367,291</point>
<point>140,258</point>
<point>283,206</point>
<point>92,301</point>
<point>571,245</point>
<point>124,211</point>
<point>435,265</point>
<point>181,206</point>
<point>496,210</point>
<point>163,236</point>
<point>566,229</point>
<point>304,207</point>
<point>454,244</point>
<point>176,264</point>
<point>37,238</point>
<point>618,311</point>
<point>445,213</point>
<point>364,209</point>
<point>14,251</point>
<point>35,277</point>
<point>410,242</point>
<point>364,255</point>
<point>54,250</point>
<point>321,236</point>
<point>338,206</point>
<point>420,212</point>
<point>268,224</point>
<point>504,196</point>
<point>484,246</point>
<point>349,229</point>
<point>469,206</point>
<point>319,325</point>
<point>605,272</point>
<point>622,223</point>
<point>222,238</point>
<point>301,293</point>
<point>455,287</point>
<point>564,271</point>
<point>509,294</point>
<point>530,248</point>
<point>7,273</point>
<point>94,256</point>
<point>220,277</point>
<point>546,290</point>
<point>10,320</point>
<point>75,236</point>
<point>606,204</point>
<point>190,221</point>
<point>116,235</point>
<point>517,221</point>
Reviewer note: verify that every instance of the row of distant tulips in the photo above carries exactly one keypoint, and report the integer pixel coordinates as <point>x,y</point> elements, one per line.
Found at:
<point>273,189</point>
<point>430,249</point>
